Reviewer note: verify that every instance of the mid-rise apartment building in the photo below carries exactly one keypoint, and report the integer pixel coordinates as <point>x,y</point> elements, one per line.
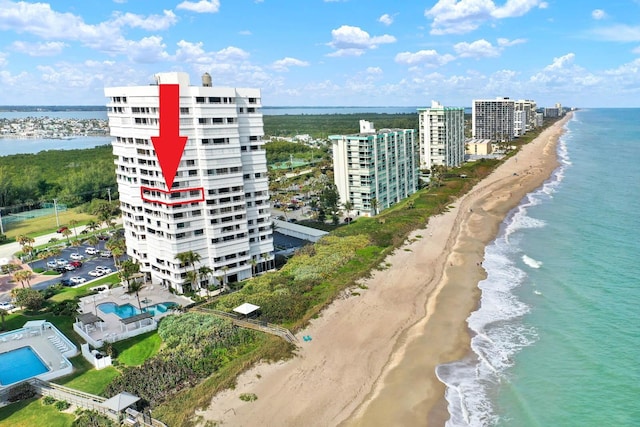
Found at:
<point>441,131</point>
<point>375,169</point>
<point>218,204</point>
<point>493,119</point>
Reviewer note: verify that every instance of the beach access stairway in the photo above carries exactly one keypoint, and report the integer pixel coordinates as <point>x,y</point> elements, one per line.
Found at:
<point>247,323</point>
<point>84,400</point>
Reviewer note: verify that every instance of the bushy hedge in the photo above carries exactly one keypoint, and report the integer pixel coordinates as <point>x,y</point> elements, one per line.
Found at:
<point>196,345</point>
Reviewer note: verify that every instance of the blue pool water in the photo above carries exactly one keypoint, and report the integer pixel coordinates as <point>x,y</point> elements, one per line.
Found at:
<point>128,310</point>
<point>122,311</point>
<point>20,364</point>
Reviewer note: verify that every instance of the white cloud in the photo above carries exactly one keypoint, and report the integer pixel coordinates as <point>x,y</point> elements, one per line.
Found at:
<point>38,49</point>
<point>374,70</point>
<point>561,62</point>
<point>598,14</point>
<point>150,23</point>
<point>630,69</point>
<point>3,59</point>
<point>618,33</point>
<point>463,16</point>
<point>285,63</point>
<point>148,50</point>
<point>502,42</point>
<point>477,49</point>
<point>245,33</point>
<point>429,58</point>
<point>203,6</point>
<point>353,41</point>
<point>386,19</point>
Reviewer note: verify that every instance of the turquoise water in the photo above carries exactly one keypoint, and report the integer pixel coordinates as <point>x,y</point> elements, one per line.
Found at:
<point>557,335</point>
<point>127,310</point>
<point>20,364</point>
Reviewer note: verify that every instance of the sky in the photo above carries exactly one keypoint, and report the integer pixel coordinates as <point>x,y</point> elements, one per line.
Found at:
<point>580,53</point>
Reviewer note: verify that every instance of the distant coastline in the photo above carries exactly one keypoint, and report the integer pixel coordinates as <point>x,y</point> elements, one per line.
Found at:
<point>266,110</point>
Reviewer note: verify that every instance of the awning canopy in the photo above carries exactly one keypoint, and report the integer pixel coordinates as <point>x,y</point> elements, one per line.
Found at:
<point>246,308</point>
<point>88,319</point>
<point>120,401</point>
<point>137,318</point>
<point>34,324</point>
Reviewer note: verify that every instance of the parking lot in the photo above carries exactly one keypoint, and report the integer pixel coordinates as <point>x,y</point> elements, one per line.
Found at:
<point>87,271</point>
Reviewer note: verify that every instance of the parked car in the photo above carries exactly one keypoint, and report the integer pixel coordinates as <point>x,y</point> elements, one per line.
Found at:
<point>76,256</point>
<point>104,270</point>
<point>91,251</point>
<point>76,264</point>
<point>5,305</point>
<point>62,229</point>
<point>106,254</point>
<point>77,280</point>
<point>103,237</point>
<point>69,267</point>
<point>52,264</point>
<point>96,273</point>
<point>66,282</point>
<point>61,269</point>
<point>61,261</point>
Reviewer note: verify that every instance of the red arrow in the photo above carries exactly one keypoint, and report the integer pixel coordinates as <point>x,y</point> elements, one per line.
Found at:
<point>169,145</point>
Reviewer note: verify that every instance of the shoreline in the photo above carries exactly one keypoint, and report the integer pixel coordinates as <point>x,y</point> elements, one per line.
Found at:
<point>372,358</point>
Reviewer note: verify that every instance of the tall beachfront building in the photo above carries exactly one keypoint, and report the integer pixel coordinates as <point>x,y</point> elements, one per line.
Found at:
<point>524,116</point>
<point>375,169</point>
<point>493,119</point>
<point>217,204</point>
<point>441,131</point>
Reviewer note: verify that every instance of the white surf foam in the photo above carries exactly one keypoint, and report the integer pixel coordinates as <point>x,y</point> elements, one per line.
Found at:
<point>531,262</point>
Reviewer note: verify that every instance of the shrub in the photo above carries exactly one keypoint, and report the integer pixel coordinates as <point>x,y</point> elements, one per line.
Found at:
<point>61,405</point>
<point>92,419</point>
<point>48,400</point>
<point>248,397</point>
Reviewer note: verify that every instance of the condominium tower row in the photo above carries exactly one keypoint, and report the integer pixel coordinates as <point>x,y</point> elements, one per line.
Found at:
<point>218,205</point>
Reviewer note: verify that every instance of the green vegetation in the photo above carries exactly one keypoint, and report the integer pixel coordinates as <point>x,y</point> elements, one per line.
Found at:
<point>196,345</point>
<point>33,412</point>
<point>279,151</point>
<point>134,351</point>
<point>86,378</point>
<point>323,125</point>
<point>70,176</point>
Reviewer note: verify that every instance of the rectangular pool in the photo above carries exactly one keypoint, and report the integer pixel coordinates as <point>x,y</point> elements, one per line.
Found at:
<point>20,364</point>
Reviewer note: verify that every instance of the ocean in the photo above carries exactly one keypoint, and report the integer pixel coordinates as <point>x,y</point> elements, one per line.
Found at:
<point>556,337</point>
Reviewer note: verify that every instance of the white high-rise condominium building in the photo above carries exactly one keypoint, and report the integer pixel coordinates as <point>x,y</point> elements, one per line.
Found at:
<point>441,132</point>
<point>528,107</point>
<point>493,119</point>
<point>218,205</point>
<point>374,170</point>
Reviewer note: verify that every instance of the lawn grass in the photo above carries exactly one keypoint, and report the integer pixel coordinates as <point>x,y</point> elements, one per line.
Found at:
<point>30,413</point>
<point>86,378</point>
<point>134,351</point>
<point>80,291</point>
<point>46,224</point>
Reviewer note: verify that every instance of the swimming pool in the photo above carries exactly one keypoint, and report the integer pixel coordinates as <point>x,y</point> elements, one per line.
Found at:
<point>127,310</point>
<point>122,311</point>
<point>20,364</point>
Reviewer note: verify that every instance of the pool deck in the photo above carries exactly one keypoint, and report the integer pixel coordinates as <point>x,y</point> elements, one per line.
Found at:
<point>112,328</point>
<point>52,347</point>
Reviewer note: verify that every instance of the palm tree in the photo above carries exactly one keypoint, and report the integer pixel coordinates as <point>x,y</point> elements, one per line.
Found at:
<point>128,270</point>
<point>254,263</point>
<point>92,226</point>
<point>265,260</point>
<point>204,272</point>
<point>225,284</point>
<point>23,276</point>
<point>25,240</point>
<point>189,258</point>
<point>374,206</point>
<point>348,206</point>
<point>74,223</point>
<point>133,288</point>
<point>192,280</point>
<point>117,248</point>
<point>66,233</point>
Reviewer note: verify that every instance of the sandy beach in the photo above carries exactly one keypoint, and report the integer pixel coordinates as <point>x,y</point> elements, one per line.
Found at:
<point>372,357</point>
